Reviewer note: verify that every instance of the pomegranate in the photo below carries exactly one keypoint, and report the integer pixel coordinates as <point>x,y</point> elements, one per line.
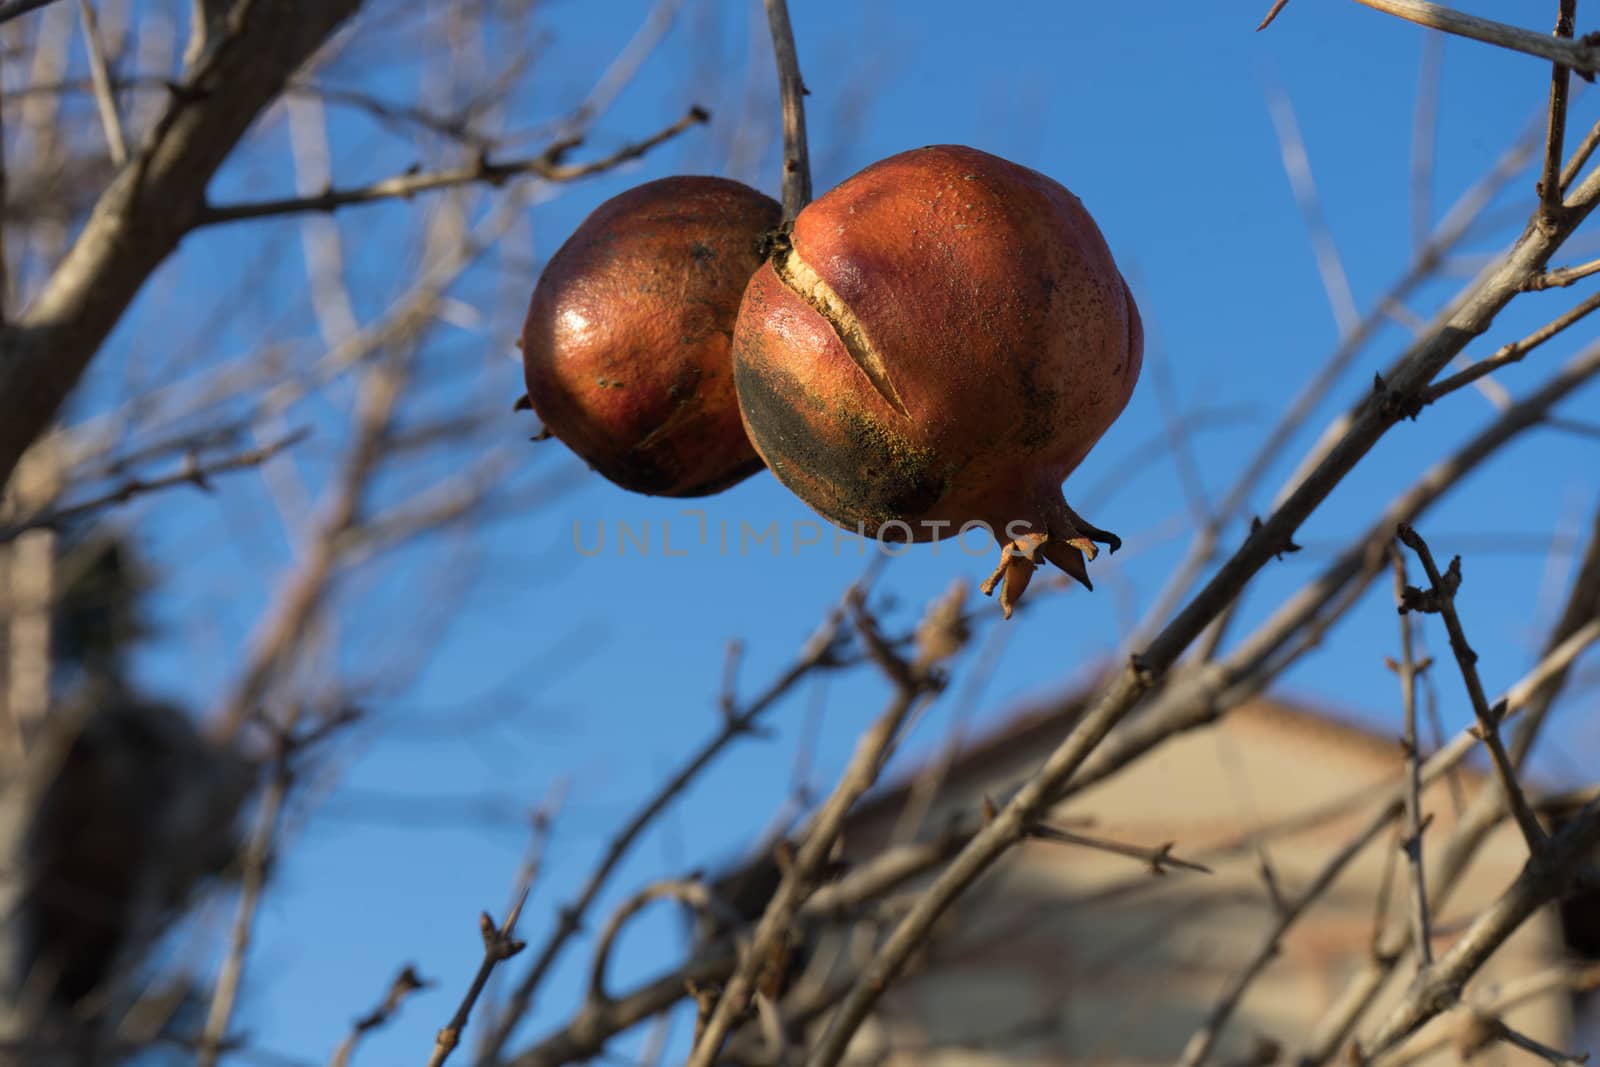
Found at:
<point>625,347</point>
<point>940,342</point>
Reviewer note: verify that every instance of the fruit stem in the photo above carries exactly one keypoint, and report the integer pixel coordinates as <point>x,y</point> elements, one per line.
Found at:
<point>792,90</point>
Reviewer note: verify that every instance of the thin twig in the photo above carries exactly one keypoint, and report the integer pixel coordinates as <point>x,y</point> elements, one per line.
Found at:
<point>1549,187</point>
<point>1272,13</point>
<point>548,166</point>
<point>1508,354</point>
<point>1579,57</point>
<point>10,9</point>
<point>407,982</point>
<point>1440,599</point>
<point>1408,669</point>
<point>821,652</point>
<point>690,892</point>
<point>1548,1053</point>
<point>194,473</point>
<point>913,682</point>
<point>254,866</point>
<point>1440,986</point>
<point>1297,164</point>
<point>1564,978</point>
<point>1424,137</point>
<point>796,152</point>
<point>499,945</point>
<point>1562,276</point>
<point>99,72</point>
<point>1160,858</point>
<point>1580,156</point>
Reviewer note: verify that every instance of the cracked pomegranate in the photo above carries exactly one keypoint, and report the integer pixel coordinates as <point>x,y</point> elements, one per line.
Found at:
<point>625,347</point>
<point>941,342</point>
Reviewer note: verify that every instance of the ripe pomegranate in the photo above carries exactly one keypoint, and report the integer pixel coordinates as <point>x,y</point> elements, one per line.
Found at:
<point>625,347</point>
<point>941,342</point>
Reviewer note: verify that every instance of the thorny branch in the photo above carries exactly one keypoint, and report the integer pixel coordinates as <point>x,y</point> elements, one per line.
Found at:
<point>914,681</point>
<point>194,473</point>
<point>1408,668</point>
<point>821,652</point>
<point>549,166</point>
<point>1440,599</point>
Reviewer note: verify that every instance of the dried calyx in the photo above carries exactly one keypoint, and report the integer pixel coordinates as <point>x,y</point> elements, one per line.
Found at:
<point>939,342</point>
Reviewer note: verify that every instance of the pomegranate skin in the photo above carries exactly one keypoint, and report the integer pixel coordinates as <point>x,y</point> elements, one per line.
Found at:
<point>626,343</point>
<point>944,341</point>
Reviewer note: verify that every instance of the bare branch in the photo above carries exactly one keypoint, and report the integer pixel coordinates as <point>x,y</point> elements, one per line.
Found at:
<point>1549,187</point>
<point>1508,354</point>
<point>405,983</point>
<point>146,210</point>
<point>194,473</point>
<point>548,166</point>
<point>1159,858</point>
<point>1580,57</point>
<point>498,945</point>
<point>1297,164</point>
<point>1564,978</point>
<point>1408,670</point>
<point>1541,880</point>
<point>1440,599</point>
<point>254,865</point>
<point>820,652</point>
<point>1272,13</point>
<point>105,101</point>
<point>913,682</point>
<point>1563,276</point>
<point>796,153</point>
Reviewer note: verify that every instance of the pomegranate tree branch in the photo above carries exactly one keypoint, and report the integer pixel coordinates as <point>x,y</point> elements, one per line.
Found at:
<point>499,945</point>
<point>549,165</point>
<point>1564,978</point>
<point>821,652</point>
<point>914,682</point>
<point>1543,878</point>
<point>1578,628</point>
<point>1409,670</point>
<point>407,982</point>
<point>148,207</point>
<point>1584,58</point>
<point>1580,156</point>
<point>1458,221</point>
<point>585,1035</point>
<point>1549,187</point>
<point>1564,276</point>
<point>1160,859</point>
<point>796,153</point>
<point>1440,599</point>
<point>100,75</point>
<point>193,473</point>
<point>1508,354</point>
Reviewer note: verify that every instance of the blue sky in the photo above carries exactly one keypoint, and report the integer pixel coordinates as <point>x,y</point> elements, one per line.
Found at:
<point>603,672</point>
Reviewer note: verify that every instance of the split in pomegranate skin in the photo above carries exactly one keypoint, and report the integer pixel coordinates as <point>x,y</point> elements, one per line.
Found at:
<point>942,341</point>
<point>626,343</point>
